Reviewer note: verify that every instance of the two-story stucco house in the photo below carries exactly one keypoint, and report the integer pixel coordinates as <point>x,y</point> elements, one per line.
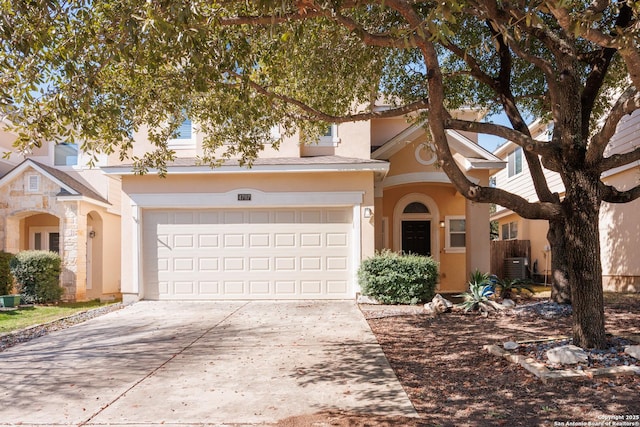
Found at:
<point>295,225</point>
<point>619,223</point>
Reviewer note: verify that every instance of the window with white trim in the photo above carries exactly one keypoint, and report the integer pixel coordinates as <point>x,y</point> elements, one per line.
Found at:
<point>65,154</point>
<point>514,162</point>
<point>330,137</point>
<point>510,230</point>
<point>44,239</point>
<point>184,137</point>
<point>456,234</point>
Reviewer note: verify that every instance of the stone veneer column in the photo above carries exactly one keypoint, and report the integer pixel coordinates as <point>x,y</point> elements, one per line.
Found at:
<point>73,250</point>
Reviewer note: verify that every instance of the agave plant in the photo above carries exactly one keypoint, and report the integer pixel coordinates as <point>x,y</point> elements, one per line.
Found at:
<point>481,288</point>
<point>506,287</point>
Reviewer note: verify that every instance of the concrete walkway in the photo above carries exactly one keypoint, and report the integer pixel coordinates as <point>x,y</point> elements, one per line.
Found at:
<point>201,363</point>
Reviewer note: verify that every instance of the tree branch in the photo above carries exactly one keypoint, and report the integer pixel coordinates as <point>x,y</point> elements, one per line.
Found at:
<point>611,195</point>
<point>626,48</point>
<point>315,114</point>
<point>525,141</point>
<point>627,103</point>
<point>370,39</point>
<point>618,160</point>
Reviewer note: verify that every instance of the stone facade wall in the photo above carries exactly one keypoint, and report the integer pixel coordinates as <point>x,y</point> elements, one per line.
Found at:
<point>17,202</point>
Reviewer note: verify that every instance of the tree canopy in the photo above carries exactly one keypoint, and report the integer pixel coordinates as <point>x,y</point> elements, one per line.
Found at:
<point>97,71</point>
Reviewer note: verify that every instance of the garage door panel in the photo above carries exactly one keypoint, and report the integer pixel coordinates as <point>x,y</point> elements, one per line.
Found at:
<point>209,264</point>
<point>259,240</point>
<point>208,288</point>
<point>251,254</point>
<point>206,241</point>
<point>234,240</point>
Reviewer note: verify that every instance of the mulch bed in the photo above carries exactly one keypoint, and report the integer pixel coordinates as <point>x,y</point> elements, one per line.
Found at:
<point>452,381</point>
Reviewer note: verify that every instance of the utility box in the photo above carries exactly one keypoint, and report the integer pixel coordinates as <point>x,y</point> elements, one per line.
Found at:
<point>516,268</point>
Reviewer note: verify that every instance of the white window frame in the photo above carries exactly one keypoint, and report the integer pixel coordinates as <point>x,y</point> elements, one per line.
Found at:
<point>66,164</point>
<point>331,139</point>
<point>45,231</point>
<point>32,183</point>
<point>509,227</point>
<point>183,143</point>
<point>447,243</point>
<point>512,162</point>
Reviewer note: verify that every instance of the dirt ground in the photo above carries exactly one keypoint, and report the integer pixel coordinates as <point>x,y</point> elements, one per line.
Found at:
<point>452,381</point>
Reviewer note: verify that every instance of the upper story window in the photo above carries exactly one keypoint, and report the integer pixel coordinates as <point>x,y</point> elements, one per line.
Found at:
<point>330,136</point>
<point>510,231</point>
<point>185,137</point>
<point>456,234</point>
<point>514,160</point>
<point>65,154</point>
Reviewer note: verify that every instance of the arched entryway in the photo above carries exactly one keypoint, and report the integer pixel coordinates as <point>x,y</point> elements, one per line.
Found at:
<point>415,224</point>
<point>29,230</point>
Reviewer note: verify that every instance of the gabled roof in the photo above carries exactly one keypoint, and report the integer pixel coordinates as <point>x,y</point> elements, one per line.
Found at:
<point>190,165</point>
<point>475,156</point>
<point>69,186</point>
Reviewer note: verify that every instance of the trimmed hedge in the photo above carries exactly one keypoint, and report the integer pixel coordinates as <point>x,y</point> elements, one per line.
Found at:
<point>38,275</point>
<point>6,279</point>
<point>398,279</point>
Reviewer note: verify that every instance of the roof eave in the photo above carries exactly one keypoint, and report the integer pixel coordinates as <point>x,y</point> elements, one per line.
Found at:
<point>377,167</point>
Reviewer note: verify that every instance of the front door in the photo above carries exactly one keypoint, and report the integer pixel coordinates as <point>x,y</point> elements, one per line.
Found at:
<point>416,237</point>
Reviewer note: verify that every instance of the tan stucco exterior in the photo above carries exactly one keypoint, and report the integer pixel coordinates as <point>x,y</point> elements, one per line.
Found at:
<point>219,183</point>
<point>100,240</point>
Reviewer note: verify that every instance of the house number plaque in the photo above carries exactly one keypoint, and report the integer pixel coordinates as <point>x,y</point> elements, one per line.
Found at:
<point>244,197</point>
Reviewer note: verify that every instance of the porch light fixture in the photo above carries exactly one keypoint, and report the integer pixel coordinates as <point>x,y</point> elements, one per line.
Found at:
<point>92,234</point>
<point>368,212</point>
<point>441,224</point>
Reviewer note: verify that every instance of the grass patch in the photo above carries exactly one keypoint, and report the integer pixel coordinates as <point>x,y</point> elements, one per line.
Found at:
<point>38,314</point>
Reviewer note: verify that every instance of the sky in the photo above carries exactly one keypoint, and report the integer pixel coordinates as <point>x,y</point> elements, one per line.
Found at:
<point>490,142</point>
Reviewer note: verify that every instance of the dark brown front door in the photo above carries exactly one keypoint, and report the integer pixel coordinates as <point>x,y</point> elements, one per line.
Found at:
<point>416,237</point>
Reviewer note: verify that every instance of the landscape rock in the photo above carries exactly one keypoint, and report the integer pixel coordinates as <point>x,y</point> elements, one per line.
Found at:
<point>508,303</point>
<point>510,345</point>
<point>633,351</point>
<point>438,305</point>
<point>365,299</point>
<point>567,355</point>
<point>442,302</point>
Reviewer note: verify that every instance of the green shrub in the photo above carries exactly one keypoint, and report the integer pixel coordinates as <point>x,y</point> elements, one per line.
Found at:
<point>6,279</point>
<point>398,279</point>
<point>38,275</point>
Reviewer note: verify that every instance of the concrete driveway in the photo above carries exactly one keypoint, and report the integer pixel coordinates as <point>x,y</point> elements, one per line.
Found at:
<point>212,363</point>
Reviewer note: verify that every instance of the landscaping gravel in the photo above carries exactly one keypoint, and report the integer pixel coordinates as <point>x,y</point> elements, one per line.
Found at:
<point>614,355</point>
<point>12,338</point>
<point>544,309</point>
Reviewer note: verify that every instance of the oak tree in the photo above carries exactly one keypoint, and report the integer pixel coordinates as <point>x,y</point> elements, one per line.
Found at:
<point>97,71</point>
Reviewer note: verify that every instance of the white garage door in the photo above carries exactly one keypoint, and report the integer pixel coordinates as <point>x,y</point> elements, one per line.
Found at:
<point>247,254</point>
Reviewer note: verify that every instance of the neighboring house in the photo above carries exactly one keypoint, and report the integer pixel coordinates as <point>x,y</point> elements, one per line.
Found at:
<point>619,223</point>
<point>50,201</point>
<point>294,226</point>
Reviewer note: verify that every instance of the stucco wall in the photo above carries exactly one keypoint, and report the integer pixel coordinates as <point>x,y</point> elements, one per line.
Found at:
<point>222,183</point>
<point>619,236</point>
<point>449,202</point>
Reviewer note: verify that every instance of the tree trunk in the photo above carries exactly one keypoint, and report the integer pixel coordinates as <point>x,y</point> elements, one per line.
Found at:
<point>582,243</point>
<point>560,289</point>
